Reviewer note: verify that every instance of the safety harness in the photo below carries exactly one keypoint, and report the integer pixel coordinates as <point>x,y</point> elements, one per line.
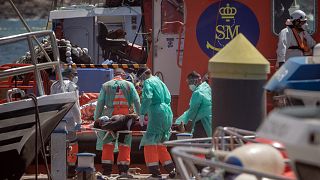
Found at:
<point>302,43</point>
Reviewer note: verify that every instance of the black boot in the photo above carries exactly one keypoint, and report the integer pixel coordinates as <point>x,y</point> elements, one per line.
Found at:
<point>123,168</point>
<point>123,171</point>
<point>106,169</point>
<point>71,171</point>
<point>154,171</point>
<point>170,169</point>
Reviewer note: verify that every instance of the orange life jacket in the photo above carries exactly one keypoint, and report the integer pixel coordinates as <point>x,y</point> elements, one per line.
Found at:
<point>302,42</point>
<point>120,103</point>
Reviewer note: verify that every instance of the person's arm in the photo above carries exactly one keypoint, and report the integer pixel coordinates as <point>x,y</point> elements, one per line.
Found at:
<point>183,118</point>
<point>77,112</point>
<point>311,42</point>
<point>55,88</point>
<point>192,112</point>
<point>147,95</point>
<point>135,98</point>
<point>100,104</point>
<point>167,95</point>
<point>282,47</point>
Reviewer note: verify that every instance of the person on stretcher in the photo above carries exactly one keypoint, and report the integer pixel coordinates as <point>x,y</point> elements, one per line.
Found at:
<point>120,122</point>
<point>117,122</point>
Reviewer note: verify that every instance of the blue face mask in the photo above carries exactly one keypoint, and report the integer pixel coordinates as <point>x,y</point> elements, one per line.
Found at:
<point>192,87</point>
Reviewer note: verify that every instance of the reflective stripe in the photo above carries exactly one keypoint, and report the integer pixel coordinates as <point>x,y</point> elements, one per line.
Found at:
<point>121,103</point>
<point>123,163</point>
<point>106,161</point>
<point>122,144</point>
<point>120,100</point>
<point>167,162</point>
<point>153,164</point>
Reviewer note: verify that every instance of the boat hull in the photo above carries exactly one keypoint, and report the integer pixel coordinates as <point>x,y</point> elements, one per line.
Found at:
<point>17,132</point>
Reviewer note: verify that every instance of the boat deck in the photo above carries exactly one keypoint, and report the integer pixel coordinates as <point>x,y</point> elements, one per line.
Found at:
<point>113,176</point>
<point>139,171</point>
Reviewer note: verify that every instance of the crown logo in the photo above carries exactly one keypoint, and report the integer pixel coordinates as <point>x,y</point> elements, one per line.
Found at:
<point>227,12</point>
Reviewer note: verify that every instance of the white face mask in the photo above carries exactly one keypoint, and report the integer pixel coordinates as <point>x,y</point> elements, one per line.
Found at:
<point>192,87</point>
<point>75,79</point>
<point>305,27</point>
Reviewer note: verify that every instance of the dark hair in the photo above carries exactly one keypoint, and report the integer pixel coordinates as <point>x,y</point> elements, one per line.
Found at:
<point>142,70</point>
<point>68,71</point>
<point>194,75</point>
<point>119,71</point>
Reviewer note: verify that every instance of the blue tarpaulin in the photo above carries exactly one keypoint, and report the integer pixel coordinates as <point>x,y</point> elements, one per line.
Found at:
<point>91,79</point>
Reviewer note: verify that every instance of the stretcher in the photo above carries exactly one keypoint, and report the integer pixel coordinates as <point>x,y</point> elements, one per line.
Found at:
<point>115,135</point>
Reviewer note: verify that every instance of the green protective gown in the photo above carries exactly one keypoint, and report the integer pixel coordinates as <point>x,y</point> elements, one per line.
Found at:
<point>155,102</point>
<point>200,108</point>
<point>105,105</point>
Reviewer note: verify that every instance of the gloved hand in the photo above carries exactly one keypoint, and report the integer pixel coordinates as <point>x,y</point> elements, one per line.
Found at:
<point>77,127</point>
<point>188,126</point>
<point>141,120</point>
<point>181,128</point>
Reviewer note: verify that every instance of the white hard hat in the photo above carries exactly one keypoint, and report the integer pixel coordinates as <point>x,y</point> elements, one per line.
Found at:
<point>298,14</point>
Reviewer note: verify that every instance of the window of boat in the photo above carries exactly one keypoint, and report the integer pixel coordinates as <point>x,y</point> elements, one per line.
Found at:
<point>281,10</point>
<point>172,16</point>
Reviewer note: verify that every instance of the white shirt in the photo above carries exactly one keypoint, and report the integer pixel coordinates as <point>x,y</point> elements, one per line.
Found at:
<point>286,40</point>
<point>74,113</point>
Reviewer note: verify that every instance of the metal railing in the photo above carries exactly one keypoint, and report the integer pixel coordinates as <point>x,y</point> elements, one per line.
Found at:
<point>225,139</point>
<point>35,67</point>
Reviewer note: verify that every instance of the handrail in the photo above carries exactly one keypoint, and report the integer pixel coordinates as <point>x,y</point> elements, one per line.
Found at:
<point>179,39</point>
<point>24,36</point>
<point>26,69</point>
<point>179,45</point>
<point>35,67</point>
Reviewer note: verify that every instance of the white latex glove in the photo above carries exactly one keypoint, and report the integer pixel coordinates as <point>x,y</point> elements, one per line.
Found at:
<point>141,120</point>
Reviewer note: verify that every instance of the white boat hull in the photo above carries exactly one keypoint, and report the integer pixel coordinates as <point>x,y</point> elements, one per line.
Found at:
<point>17,129</point>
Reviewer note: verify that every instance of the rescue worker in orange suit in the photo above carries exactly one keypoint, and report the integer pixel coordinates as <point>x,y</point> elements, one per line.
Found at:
<point>73,117</point>
<point>116,97</point>
<point>155,102</point>
<point>294,40</point>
